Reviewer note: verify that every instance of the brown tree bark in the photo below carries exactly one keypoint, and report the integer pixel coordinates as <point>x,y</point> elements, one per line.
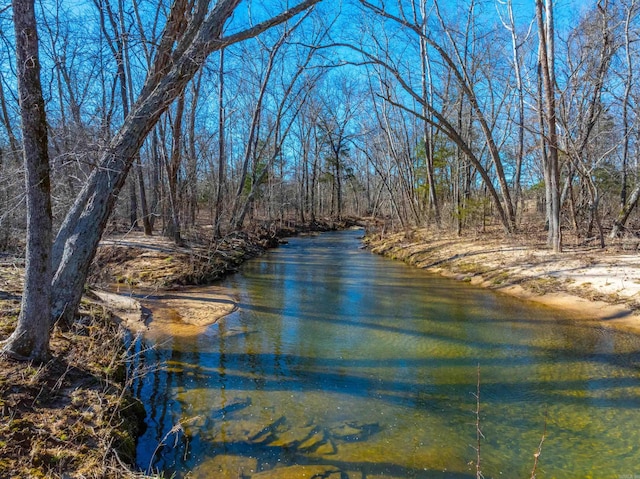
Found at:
<point>30,340</point>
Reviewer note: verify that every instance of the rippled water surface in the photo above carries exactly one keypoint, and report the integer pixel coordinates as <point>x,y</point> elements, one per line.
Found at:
<point>341,358</point>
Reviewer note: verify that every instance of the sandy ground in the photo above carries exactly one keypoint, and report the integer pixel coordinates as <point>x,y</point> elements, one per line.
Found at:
<point>141,279</point>
<point>175,313</point>
<point>591,283</point>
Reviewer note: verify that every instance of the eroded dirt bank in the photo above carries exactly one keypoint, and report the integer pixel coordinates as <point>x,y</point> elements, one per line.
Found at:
<point>592,283</point>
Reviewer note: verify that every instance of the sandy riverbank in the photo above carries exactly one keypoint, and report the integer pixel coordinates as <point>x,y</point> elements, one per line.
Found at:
<point>180,313</point>
<point>590,283</point>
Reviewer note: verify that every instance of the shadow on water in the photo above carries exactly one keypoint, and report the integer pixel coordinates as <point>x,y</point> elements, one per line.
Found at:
<point>326,334</point>
<point>271,372</point>
<point>269,457</point>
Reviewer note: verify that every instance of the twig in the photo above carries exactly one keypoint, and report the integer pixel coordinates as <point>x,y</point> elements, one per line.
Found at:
<point>536,455</point>
<point>176,429</point>
<point>479,434</point>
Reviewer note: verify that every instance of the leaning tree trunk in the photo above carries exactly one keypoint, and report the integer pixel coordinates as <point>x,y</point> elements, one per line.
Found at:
<point>621,220</point>
<point>30,340</point>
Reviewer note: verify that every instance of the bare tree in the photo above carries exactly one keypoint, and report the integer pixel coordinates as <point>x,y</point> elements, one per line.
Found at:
<point>337,115</point>
<point>270,148</point>
<point>182,50</point>
<point>552,170</point>
<point>628,201</point>
<point>582,118</point>
<point>456,64</point>
<point>6,121</point>
<point>516,47</point>
<point>427,93</point>
<point>30,340</point>
<point>253,137</point>
<point>222,156</point>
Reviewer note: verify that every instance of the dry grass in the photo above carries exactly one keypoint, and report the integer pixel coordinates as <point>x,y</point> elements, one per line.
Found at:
<point>70,417</point>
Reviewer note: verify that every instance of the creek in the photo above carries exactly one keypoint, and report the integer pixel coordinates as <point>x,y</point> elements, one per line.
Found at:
<point>339,360</point>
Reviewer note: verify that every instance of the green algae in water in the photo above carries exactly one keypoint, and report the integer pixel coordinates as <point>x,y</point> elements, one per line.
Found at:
<point>341,338</point>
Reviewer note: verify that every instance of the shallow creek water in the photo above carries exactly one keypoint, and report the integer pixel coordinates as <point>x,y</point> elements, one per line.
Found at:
<point>341,358</point>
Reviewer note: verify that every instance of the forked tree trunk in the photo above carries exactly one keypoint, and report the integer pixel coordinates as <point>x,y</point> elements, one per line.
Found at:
<point>30,340</point>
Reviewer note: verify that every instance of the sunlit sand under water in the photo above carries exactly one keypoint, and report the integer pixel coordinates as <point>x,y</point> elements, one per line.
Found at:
<point>338,363</point>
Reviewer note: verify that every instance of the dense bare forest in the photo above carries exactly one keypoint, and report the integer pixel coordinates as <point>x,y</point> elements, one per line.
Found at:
<point>161,116</point>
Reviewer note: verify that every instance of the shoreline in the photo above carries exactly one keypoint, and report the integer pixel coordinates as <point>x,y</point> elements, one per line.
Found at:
<point>590,285</point>
<point>602,287</point>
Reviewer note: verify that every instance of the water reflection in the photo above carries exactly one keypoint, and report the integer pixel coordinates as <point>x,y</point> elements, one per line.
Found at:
<point>339,358</point>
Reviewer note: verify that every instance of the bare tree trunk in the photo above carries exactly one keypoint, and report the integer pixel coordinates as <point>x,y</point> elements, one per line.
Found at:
<point>625,118</point>
<point>397,153</point>
<point>279,138</point>
<point>545,33</point>
<point>465,81</point>
<point>439,119</point>
<point>249,152</point>
<point>173,167</point>
<point>146,217</point>
<point>427,92</point>
<point>117,44</point>
<point>222,160</point>
<point>156,174</point>
<point>515,50</point>
<point>626,207</point>
<point>579,153</point>
<point>13,143</point>
<point>625,212</point>
<point>241,207</point>
<point>30,340</point>
<point>314,175</point>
